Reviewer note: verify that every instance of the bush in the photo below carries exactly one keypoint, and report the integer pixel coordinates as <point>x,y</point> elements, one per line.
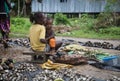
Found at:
<point>110,30</point>
<point>85,22</point>
<point>59,19</point>
<point>20,25</point>
<point>105,20</point>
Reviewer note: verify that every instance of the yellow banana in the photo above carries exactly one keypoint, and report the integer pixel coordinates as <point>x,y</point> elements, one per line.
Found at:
<point>50,65</point>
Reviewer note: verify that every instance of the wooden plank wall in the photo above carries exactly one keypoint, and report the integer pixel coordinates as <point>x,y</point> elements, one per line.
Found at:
<point>71,6</point>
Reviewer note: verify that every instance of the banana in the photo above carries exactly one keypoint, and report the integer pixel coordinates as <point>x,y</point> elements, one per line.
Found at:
<point>50,65</point>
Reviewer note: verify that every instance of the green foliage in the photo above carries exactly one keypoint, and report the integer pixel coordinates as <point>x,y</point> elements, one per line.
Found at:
<point>111,31</point>
<point>59,18</point>
<point>84,22</point>
<point>92,34</point>
<point>103,21</point>
<point>112,5</point>
<point>49,15</point>
<point>106,19</point>
<point>20,28</point>
<point>20,25</point>
<point>87,21</point>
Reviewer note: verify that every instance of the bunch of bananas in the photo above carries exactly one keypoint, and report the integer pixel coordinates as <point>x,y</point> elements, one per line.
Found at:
<point>50,65</point>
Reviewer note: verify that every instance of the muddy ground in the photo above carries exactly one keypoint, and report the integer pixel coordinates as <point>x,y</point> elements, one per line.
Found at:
<point>15,53</point>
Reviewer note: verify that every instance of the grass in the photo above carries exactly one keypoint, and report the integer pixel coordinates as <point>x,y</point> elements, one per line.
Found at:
<point>86,30</point>
<point>90,34</point>
<point>20,28</point>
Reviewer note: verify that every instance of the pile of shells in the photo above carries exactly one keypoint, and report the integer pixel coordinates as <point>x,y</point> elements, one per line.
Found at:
<point>29,72</point>
<point>65,74</point>
<point>117,48</point>
<point>20,72</point>
<point>114,78</point>
<point>24,67</point>
<point>6,64</point>
<point>19,42</point>
<point>8,75</point>
<point>105,45</point>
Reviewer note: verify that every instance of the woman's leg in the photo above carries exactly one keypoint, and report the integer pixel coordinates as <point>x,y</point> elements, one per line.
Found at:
<point>3,35</point>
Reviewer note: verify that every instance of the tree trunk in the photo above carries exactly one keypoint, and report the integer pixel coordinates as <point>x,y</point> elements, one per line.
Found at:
<point>18,7</point>
<point>23,9</point>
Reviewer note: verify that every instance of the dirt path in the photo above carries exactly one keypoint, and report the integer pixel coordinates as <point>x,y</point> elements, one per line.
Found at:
<point>16,53</point>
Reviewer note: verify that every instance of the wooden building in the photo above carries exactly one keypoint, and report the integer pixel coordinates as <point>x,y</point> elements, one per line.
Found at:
<point>71,6</point>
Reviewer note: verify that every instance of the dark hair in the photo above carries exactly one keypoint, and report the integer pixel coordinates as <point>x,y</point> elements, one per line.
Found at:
<point>37,18</point>
<point>48,19</point>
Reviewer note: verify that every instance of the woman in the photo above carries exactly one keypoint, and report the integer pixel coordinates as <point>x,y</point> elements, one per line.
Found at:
<point>4,18</point>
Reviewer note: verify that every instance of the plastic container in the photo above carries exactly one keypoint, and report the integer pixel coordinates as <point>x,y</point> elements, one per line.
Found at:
<point>111,60</point>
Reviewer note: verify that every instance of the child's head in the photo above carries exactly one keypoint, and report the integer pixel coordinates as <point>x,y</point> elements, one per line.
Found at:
<point>37,18</point>
<point>49,22</point>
